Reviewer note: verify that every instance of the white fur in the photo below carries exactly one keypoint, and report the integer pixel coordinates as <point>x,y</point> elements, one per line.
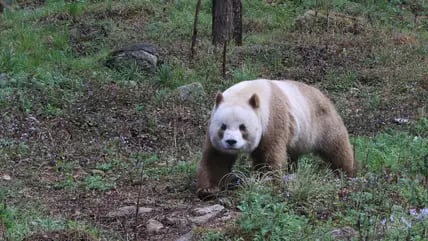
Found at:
<point>301,112</point>
<point>235,110</point>
<point>240,93</point>
<point>233,116</point>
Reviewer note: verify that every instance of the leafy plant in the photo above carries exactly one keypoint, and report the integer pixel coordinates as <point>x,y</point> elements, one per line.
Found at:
<point>97,182</point>
<point>311,188</point>
<point>264,217</point>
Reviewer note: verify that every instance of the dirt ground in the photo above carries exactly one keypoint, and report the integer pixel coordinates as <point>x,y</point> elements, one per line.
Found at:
<point>103,124</point>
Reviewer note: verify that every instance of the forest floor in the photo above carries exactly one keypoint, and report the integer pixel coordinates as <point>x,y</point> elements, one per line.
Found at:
<point>79,141</point>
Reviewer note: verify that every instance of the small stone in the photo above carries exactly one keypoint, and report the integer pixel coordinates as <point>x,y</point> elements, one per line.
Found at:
<point>206,213</point>
<point>6,177</point>
<point>191,91</point>
<point>423,214</point>
<point>186,237</point>
<point>133,83</point>
<point>202,219</point>
<point>98,172</point>
<point>3,79</point>
<point>154,226</point>
<point>413,212</point>
<point>177,222</point>
<point>344,233</point>
<point>229,216</point>
<point>144,210</point>
<point>207,210</point>
<point>128,211</point>
<point>400,121</point>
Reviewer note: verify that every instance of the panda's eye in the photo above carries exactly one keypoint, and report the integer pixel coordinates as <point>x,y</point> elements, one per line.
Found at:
<point>223,127</point>
<point>242,127</point>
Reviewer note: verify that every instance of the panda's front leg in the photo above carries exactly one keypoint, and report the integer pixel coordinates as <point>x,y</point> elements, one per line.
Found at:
<point>212,169</point>
<point>269,156</point>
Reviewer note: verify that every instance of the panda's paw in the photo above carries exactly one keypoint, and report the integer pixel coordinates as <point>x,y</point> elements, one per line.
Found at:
<point>208,193</point>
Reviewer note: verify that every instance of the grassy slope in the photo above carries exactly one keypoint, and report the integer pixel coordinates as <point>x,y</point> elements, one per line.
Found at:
<point>72,127</point>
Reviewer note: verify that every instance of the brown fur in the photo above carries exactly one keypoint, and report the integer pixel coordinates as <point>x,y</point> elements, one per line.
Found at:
<point>272,149</point>
<point>330,140</point>
<point>213,167</point>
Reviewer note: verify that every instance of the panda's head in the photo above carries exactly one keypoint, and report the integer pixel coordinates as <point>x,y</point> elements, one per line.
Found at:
<point>235,125</point>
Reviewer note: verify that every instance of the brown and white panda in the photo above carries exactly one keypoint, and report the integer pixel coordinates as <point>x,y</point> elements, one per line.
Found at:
<point>272,121</point>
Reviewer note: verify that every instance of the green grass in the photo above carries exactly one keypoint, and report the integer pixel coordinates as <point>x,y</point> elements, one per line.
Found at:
<point>53,58</point>
<point>151,167</point>
<point>23,221</point>
<point>312,203</point>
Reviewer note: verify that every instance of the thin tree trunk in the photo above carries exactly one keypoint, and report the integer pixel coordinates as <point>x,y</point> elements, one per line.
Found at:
<point>195,29</point>
<point>237,22</point>
<point>224,59</point>
<point>222,24</point>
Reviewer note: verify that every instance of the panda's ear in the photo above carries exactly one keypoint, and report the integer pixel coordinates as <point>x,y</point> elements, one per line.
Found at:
<point>254,101</point>
<point>218,99</point>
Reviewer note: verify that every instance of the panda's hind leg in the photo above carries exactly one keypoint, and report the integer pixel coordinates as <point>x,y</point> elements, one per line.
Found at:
<point>335,148</point>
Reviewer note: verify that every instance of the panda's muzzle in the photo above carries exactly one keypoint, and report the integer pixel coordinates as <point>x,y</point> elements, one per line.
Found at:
<point>231,142</point>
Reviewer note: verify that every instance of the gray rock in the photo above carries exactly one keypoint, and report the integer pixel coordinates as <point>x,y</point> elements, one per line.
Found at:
<point>154,226</point>
<point>344,233</point>
<point>202,219</point>
<point>187,237</point>
<point>6,177</point>
<point>128,211</point>
<point>400,121</point>
<point>205,214</point>
<point>229,215</point>
<point>207,210</point>
<point>423,214</point>
<point>191,91</point>
<point>179,222</point>
<point>144,55</point>
<point>3,79</point>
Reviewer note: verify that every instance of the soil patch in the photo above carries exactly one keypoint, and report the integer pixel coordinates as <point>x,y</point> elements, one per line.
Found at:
<point>65,235</point>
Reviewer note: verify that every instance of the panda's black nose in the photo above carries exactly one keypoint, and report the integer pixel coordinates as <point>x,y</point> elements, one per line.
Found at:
<point>231,142</point>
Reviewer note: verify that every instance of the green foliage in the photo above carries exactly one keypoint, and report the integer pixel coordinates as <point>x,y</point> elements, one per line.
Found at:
<point>47,73</point>
<point>75,8</point>
<point>311,189</point>
<point>265,217</point>
<point>214,236</point>
<point>97,182</point>
<point>248,72</point>
<point>25,220</point>
<point>396,151</point>
<point>150,166</point>
<point>339,81</point>
<point>6,215</point>
<point>176,21</point>
<point>375,205</point>
<point>420,128</point>
<point>113,164</point>
<point>172,76</point>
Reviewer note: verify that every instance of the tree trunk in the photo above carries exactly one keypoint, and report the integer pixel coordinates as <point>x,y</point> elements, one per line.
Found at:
<point>195,29</point>
<point>222,23</point>
<point>226,24</point>
<point>223,69</point>
<point>237,22</point>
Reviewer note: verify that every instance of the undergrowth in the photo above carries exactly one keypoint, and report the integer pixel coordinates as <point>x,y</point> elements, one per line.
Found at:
<point>383,203</point>
<point>62,109</point>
